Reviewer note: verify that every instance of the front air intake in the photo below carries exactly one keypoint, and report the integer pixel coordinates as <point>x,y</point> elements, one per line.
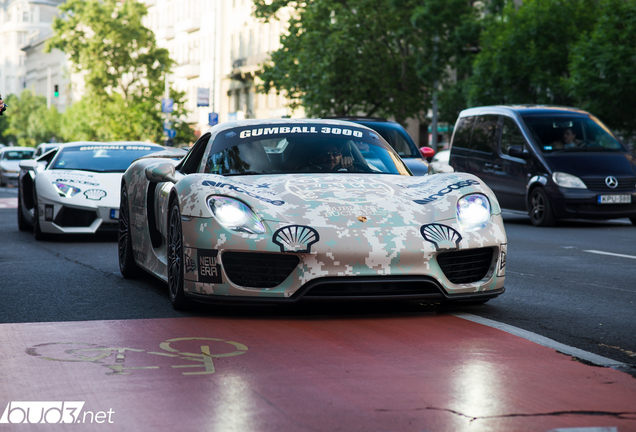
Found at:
<point>466,266</point>
<point>258,270</point>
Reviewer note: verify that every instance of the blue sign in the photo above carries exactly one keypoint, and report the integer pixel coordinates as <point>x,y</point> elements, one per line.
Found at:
<point>213,118</point>
<point>171,133</point>
<point>167,105</point>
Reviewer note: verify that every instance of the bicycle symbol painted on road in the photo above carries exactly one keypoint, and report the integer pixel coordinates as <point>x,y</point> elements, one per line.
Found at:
<point>93,353</point>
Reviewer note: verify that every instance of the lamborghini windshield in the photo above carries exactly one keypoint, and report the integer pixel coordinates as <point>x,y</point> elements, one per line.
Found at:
<point>101,158</point>
<point>301,148</point>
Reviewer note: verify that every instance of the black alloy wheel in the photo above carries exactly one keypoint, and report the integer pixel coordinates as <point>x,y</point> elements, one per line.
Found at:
<point>23,225</point>
<point>37,231</point>
<point>540,209</point>
<point>127,265</point>
<point>175,258</point>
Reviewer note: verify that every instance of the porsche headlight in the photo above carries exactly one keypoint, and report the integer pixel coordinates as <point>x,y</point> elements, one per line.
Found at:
<point>65,190</point>
<point>473,212</point>
<point>568,180</point>
<point>235,215</point>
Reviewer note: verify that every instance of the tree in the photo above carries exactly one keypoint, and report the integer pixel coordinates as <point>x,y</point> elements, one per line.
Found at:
<point>525,54</point>
<point>31,122</point>
<point>123,69</point>
<point>346,57</point>
<point>602,66</point>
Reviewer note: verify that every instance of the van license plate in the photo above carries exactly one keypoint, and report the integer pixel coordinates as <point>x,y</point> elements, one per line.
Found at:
<point>614,199</point>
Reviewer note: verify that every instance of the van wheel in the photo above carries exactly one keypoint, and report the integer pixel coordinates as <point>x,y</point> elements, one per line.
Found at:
<point>540,209</point>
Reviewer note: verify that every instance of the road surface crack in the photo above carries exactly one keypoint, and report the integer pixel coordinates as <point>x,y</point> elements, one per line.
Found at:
<point>622,415</point>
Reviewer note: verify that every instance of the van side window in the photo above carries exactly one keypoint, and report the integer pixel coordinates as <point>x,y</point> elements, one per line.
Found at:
<point>485,134</point>
<point>511,136</point>
<point>464,128</point>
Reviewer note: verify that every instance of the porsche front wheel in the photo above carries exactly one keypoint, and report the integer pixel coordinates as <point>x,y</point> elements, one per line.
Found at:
<point>175,258</point>
<point>127,265</point>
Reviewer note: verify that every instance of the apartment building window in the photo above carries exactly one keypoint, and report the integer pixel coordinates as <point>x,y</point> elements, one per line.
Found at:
<point>25,16</point>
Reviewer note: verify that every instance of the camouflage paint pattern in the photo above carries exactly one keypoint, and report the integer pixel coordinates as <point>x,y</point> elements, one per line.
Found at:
<point>360,225</point>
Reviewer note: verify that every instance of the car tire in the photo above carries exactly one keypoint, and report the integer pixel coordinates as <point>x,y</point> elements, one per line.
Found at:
<point>127,265</point>
<point>2,183</point>
<point>540,209</point>
<point>23,225</point>
<point>37,230</point>
<point>175,258</point>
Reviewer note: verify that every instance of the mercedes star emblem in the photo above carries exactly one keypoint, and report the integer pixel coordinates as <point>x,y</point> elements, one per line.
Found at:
<point>611,182</point>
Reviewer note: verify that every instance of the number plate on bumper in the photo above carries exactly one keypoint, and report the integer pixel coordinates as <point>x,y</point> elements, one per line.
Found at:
<point>614,199</point>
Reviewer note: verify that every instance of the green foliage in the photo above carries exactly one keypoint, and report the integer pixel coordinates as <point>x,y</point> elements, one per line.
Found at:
<point>373,57</point>
<point>525,53</point>
<point>30,122</point>
<point>602,67</point>
<point>124,72</point>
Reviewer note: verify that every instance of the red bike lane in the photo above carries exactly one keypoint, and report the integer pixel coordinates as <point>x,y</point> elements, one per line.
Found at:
<point>383,373</point>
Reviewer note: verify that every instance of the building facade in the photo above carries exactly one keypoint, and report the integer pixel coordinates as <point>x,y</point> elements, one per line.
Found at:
<point>21,22</point>
<point>219,48</point>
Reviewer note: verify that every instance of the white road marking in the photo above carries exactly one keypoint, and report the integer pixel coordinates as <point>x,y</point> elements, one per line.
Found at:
<point>611,254</point>
<point>8,203</point>
<point>542,340</point>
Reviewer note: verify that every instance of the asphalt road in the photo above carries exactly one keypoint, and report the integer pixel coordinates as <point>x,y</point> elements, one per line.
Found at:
<point>556,287</point>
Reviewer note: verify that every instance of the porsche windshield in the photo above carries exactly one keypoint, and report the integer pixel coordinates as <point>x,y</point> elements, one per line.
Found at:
<point>571,134</point>
<point>101,158</point>
<point>301,148</point>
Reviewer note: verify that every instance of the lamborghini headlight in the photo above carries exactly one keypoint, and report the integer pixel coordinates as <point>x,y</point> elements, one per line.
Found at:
<point>473,212</point>
<point>65,190</point>
<point>235,215</point>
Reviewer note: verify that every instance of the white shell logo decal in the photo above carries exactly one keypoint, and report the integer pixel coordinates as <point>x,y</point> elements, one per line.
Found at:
<point>295,238</point>
<point>95,194</point>
<point>442,236</point>
<point>343,188</point>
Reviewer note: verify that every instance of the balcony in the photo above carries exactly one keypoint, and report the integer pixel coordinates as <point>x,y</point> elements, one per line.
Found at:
<point>188,71</point>
<point>247,68</point>
<point>165,33</point>
<point>188,25</point>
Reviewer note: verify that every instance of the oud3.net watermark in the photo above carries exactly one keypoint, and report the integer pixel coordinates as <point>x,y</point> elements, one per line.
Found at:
<point>17,412</point>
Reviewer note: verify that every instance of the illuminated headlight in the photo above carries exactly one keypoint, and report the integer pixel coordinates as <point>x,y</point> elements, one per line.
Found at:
<point>473,212</point>
<point>65,190</point>
<point>568,180</point>
<point>235,215</point>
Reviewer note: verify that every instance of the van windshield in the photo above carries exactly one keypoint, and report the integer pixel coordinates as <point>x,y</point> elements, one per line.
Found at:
<point>571,134</point>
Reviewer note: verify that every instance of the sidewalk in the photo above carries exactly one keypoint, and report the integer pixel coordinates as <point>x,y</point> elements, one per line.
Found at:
<point>416,373</point>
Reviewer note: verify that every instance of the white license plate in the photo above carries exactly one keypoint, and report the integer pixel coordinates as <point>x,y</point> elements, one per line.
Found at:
<point>614,199</point>
<point>114,213</point>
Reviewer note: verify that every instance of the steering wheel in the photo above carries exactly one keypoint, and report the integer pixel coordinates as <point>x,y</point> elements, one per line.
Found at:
<point>359,167</point>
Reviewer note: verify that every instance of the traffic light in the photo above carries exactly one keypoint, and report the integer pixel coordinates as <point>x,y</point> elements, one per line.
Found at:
<point>56,91</point>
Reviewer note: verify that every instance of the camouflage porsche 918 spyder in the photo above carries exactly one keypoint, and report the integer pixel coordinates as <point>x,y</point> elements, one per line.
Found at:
<point>281,210</point>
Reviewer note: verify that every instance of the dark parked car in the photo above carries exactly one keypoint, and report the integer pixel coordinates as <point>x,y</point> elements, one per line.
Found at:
<point>395,134</point>
<point>553,162</point>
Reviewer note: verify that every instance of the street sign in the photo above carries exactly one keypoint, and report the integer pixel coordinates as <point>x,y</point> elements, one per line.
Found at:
<point>213,118</point>
<point>170,133</point>
<point>167,105</point>
<point>167,125</point>
<point>203,97</point>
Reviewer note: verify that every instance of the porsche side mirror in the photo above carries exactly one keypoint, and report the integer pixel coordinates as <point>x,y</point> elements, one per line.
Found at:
<point>29,164</point>
<point>439,167</point>
<point>427,152</point>
<point>161,172</point>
